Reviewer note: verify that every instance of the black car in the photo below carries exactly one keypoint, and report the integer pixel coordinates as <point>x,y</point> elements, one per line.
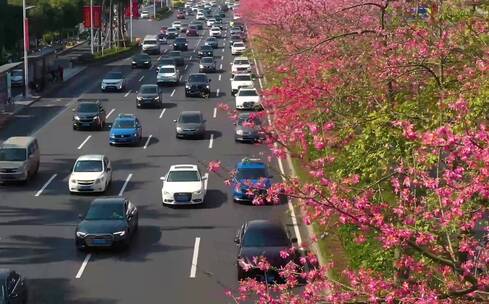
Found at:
<point>198,85</point>
<point>110,222</point>
<point>212,41</point>
<point>265,238</point>
<point>13,288</point>
<point>180,44</point>
<point>149,95</point>
<point>206,51</point>
<point>89,114</point>
<point>207,65</point>
<point>177,56</point>
<point>190,124</point>
<point>142,60</point>
<point>198,24</point>
<point>224,8</point>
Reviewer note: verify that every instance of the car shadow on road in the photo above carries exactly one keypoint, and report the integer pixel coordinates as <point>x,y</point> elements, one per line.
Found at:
<point>214,199</point>
<point>215,133</point>
<point>59,291</point>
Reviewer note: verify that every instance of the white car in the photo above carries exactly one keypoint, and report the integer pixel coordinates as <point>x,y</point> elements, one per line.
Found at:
<point>200,16</point>
<point>248,99</point>
<point>183,185</point>
<point>238,48</point>
<point>167,74</point>
<point>176,24</point>
<point>113,81</point>
<point>215,32</point>
<point>91,173</point>
<point>240,65</point>
<point>239,81</point>
<point>144,14</point>
<point>210,22</point>
<point>236,15</point>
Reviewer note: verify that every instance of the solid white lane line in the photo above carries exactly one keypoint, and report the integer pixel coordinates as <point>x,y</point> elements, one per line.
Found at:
<point>195,257</point>
<point>220,67</point>
<point>46,185</point>
<point>190,58</point>
<point>147,142</point>
<point>141,79</point>
<point>125,184</point>
<point>173,92</point>
<point>58,99</point>
<point>222,57</point>
<point>83,266</point>
<point>84,142</point>
<point>215,113</point>
<point>159,58</point>
<point>127,94</point>
<point>223,50</point>
<point>217,93</point>
<point>211,142</point>
<point>219,77</point>
<point>110,113</point>
<point>291,208</point>
<point>186,66</point>
<point>206,180</point>
<point>180,78</point>
<point>162,112</point>
<point>259,81</point>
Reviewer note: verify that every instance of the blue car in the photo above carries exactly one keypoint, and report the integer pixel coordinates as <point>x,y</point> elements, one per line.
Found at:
<point>250,172</point>
<point>126,129</point>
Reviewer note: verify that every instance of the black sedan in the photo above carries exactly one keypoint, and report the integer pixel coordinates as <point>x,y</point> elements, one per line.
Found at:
<point>180,44</point>
<point>13,289</point>
<point>177,56</point>
<point>206,51</point>
<point>198,85</point>
<point>142,60</point>
<point>212,41</point>
<point>89,114</point>
<point>110,222</point>
<point>265,238</point>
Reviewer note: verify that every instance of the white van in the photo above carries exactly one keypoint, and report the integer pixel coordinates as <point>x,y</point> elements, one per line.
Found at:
<point>151,45</point>
<point>19,159</point>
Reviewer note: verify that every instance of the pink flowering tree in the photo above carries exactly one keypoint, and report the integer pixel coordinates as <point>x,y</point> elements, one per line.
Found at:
<point>383,104</point>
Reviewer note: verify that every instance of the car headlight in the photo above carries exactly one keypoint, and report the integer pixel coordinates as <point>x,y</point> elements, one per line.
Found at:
<point>133,62</point>
<point>186,44</point>
<point>239,132</point>
<point>95,117</point>
<point>135,134</point>
<point>198,192</point>
<point>139,98</point>
<point>201,66</point>
<point>81,234</point>
<point>120,233</point>
<point>76,117</point>
<point>187,86</point>
<point>179,129</point>
<point>98,180</point>
<point>157,98</point>
<point>146,62</point>
<point>207,86</point>
<point>73,181</point>
<point>166,193</point>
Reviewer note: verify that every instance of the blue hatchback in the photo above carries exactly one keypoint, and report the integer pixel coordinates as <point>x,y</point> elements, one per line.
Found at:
<point>126,129</point>
<point>250,173</point>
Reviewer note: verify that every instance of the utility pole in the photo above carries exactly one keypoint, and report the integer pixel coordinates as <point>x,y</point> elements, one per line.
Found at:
<point>154,9</point>
<point>131,3</point>
<point>91,26</point>
<point>26,47</point>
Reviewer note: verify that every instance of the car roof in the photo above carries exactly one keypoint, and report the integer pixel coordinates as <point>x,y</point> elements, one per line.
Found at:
<point>207,58</point>
<point>18,141</point>
<point>189,113</point>
<point>184,167</point>
<point>126,116</point>
<point>151,85</point>
<point>91,157</point>
<point>198,74</point>
<point>241,58</point>
<point>251,163</point>
<point>166,66</point>
<point>263,224</point>
<point>243,74</point>
<point>108,200</point>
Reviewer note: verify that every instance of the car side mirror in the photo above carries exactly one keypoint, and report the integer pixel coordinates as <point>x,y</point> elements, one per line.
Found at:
<point>204,177</point>
<point>174,120</point>
<point>162,178</point>
<point>108,169</point>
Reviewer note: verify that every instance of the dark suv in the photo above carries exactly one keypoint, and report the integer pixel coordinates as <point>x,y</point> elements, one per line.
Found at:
<point>206,51</point>
<point>180,44</point>
<point>149,95</point>
<point>198,84</point>
<point>89,114</point>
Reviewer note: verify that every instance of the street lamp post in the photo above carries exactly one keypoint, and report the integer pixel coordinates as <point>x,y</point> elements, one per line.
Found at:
<point>26,46</point>
<point>131,3</point>
<point>154,9</point>
<point>91,26</point>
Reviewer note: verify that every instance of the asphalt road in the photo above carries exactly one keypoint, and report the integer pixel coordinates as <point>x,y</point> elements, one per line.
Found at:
<point>37,232</point>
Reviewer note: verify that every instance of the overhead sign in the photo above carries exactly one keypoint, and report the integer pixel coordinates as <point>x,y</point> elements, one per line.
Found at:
<point>97,16</point>
<point>135,10</point>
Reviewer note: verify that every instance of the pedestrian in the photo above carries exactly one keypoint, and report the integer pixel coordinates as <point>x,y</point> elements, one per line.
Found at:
<point>60,72</point>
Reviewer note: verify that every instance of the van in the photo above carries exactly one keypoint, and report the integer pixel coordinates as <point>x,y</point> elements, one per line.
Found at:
<point>151,44</point>
<point>19,159</point>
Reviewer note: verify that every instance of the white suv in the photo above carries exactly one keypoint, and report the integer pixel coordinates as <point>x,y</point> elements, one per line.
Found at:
<point>167,74</point>
<point>238,48</point>
<point>248,99</point>
<point>215,32</point>
<point>183,185</point>
<point>239,81</point>
<point>240,65</point>
<point>91,173</point>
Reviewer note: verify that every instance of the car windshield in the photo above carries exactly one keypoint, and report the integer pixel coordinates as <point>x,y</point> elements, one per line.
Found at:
<point>88,166</point>
<point>238,44</point>
<point>211,39</point>
<point>243,119</point>
<point>175,54</point>
<point>207,60</point>
<point>105,212</point>
<point>251,173</point>
<point>87,108</point>
<point>183,176</point>
<point>148,90</point>
<point>190,118</point>
<point>242,62</point>
<point>206,48</point>
<point>181,40</point>
<point>149,42</point>
<point>171,30</point>
<point>167,70</point>
<point>114,75</point>
<point>123,124</point>
<point>12,154</point>
<point>235,37</point>
<point>166,62</point>
<point>197,78</point>
<point>141,57</point>
<point>247,93</point>
<point>242,78</point>
<point>266,237</point>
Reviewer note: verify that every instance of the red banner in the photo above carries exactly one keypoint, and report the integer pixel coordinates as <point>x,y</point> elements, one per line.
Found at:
<point>27,42</point>
<point>135,10</point>
<point>97,16</point>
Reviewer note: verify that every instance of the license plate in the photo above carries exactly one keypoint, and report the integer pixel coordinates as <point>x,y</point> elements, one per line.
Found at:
<point>99,242</point>
<point>85,188</point>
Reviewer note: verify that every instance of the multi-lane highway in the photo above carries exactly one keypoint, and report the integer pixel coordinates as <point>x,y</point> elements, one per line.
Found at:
<point>38,219</point>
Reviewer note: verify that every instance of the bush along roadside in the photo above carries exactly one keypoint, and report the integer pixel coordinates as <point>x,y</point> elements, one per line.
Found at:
<point>110,54</point>
<point>163,13</point>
